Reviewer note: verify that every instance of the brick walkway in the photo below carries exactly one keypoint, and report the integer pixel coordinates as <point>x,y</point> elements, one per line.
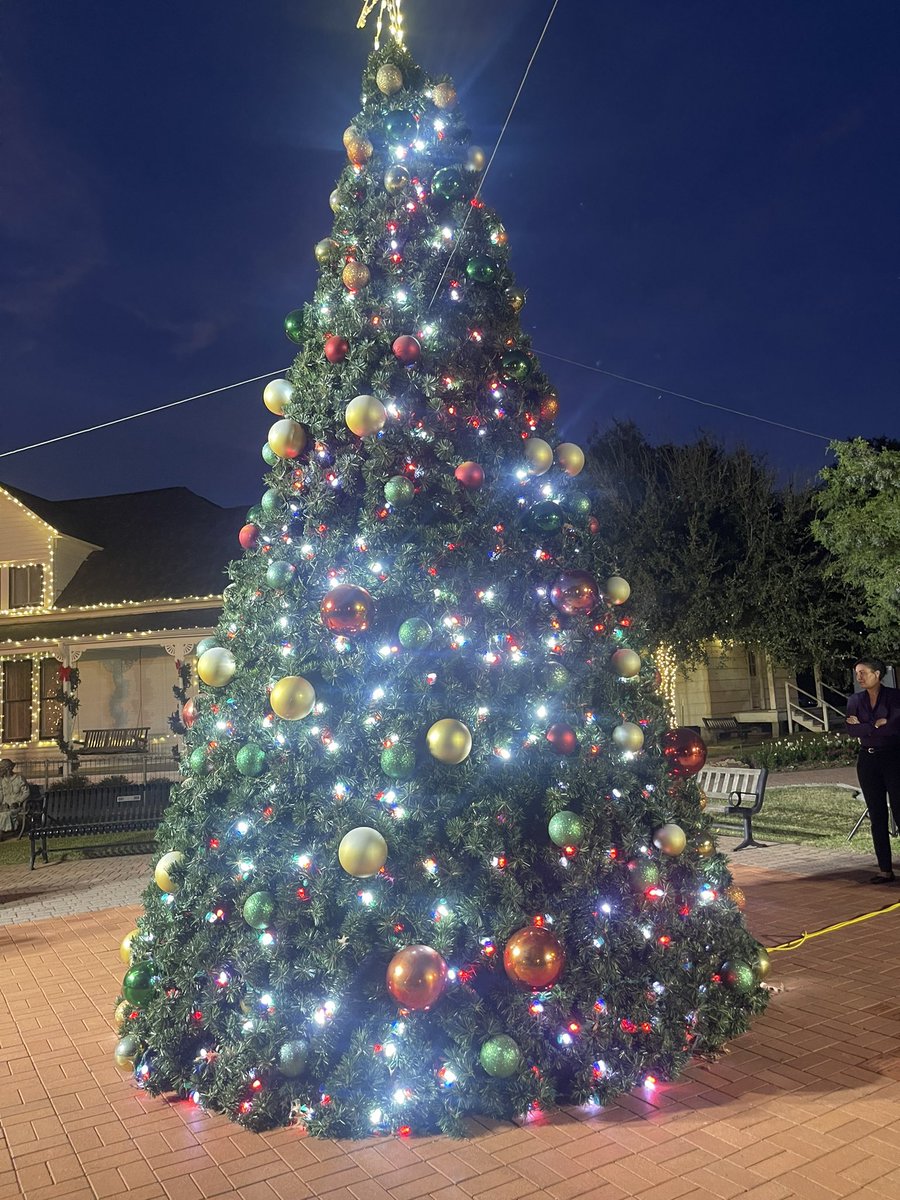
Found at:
<point>805,1105</point>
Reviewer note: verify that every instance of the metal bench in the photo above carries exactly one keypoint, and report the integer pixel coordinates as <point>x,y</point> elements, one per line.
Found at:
<point>725,727</point>
<point>114,741</point>
<point>744,790</point>
<point>74,812</point>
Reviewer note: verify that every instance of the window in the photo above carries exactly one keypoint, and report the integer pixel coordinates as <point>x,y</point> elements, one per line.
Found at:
<point>51,709</point>
<point>17,695</point>
<point>22,586</point>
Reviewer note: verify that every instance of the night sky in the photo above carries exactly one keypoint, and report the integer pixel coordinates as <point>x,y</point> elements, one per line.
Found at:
<point>699,194</point>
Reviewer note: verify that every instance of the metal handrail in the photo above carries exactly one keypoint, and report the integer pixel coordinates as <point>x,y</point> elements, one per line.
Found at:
<point>819,703</point>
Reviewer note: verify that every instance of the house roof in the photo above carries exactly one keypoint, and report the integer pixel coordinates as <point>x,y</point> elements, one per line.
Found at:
<point>109,624</point>
<point>157,545</point>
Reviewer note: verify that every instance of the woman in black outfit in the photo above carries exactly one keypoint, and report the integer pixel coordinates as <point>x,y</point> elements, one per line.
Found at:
<point>873,715</point>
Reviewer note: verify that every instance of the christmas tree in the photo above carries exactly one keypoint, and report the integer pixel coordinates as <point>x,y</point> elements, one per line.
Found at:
<point>437,851</point>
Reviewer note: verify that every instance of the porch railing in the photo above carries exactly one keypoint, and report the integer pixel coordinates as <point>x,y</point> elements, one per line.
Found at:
<point>806,711</point>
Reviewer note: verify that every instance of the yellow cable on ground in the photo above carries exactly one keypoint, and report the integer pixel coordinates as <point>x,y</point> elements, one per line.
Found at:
<point>805,937</point>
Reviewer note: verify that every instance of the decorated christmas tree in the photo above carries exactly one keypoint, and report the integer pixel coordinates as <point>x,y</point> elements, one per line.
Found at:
<point>436,851</point>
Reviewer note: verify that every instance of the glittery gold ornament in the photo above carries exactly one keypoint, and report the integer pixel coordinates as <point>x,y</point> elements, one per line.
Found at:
<point>125,946</point>
<point>277,394</point>
<point>444,95</point>
<point>539,455</point>
<point>705,847</point>
<point>736,896</point>
<point>292,698</point>
<point>355,276</point>
<point>286,438</point>
<point>396,178</point>
<point>163,871</point>
<point>449,741</point>
<point>120,1016</point>
<point>216,666</point>
<point>570,457</point>
<point>359,148</point>
<point>702,801</point>
<point>325,250</point>
<point>362,852</point>
<point>388,79</point>
<point>365,415</point>
<point>670,839</point>
<point>476,159</point>
<point>550,408</point>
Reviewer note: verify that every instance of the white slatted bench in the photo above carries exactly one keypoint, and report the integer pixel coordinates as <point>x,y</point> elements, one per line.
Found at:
<point>743,789</point>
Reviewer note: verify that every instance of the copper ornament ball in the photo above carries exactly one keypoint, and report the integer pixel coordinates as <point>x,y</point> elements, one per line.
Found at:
<point>684,752</point>
<point>347,610</point>
<point>470,475</point>
<point>534,958</point>
<point>416,977</point>
<point>574,593</point>
<point>407,349</point>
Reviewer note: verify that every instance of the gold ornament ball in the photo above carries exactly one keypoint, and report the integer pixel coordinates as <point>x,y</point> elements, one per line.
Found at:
<point>516,298</point>
<point>449,741</point>
<point>355,275</point>
<point>570,457</point>
<point>702,801</point>
<point>334,202</point>
<point>216,666</point>
<point>362,852</point>
<point>626,663</point>
<point>120,1016</point>
<point>670,839</point>
<point>365,415</point>
<point>277,394</point>
<point>763,963</point>
<point>325,250</point>
<point>444,95</point>
<point>127,1050</point>
<point>286,438</point>
<point>616,590</point>
<point>706,847</point>
<point>628,736</point>
<point>388,79</point>
<point>736,896</point>
<point>292,698</point>
<point>477,159</point>
<point>396,178</point>
<point>359,148</point>
<point>125,946</point>
<point>163,869</point>
<point>539,455</point>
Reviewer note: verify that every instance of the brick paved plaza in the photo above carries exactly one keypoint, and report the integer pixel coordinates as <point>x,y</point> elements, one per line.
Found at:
<point>807,1104</point>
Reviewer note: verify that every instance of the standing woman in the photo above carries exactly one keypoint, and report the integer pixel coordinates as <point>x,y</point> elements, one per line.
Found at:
<point>873,715</point>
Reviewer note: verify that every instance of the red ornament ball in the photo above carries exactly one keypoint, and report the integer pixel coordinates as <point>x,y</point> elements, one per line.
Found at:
<point>562,739</point>
<point>249,536</point>
<point>347,609</point>
<point>470,475</point>
<point>534,958</point>
<point>188,713</point>
<point>593,525</point>
<point>684,752</point>
<point>336,348</point>
<point>575,592</point>
<point>416,977</point>
<point>408,349</point>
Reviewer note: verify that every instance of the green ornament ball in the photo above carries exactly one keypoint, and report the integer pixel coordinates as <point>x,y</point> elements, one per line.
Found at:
<point>270,503</point>
<point>546,517</point>
<point>566,828</point>
<point>399,762</point>
<point>482,269</point>
<point>399,491</point>
<point>448,184</point>
<point>279,574</point>
<point>293,325</point>
<point>557,677</point>
<point>739,976</point>
<point>205,644</point>
<point>270,458</point>
<point>292,1058</point>
<point>578,505</point>
<point>250,760</point>
<point>137,986</point>
<point>254,514</point>
<point>515,364</point>
<point>415,633</point>
<point>258,910</point>
<point>643,874</point>
<point>400,127</point>
<point>500,1056</point>
<point>198,760</point>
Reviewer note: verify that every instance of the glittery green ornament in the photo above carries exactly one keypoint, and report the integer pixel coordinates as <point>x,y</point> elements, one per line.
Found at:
<point>643,874</point>
<point>546,517</point>
<point>448,184</point>
<point>482,269</point>
<point>566,828</point>
<point>270,503</point>
<point>293,325</point>
<point>500,1056</point>
<point>198,761</point>
<point>279,574</point>
<point>738,976</point>
<point>557,678</point>
<point>250,760</point>
<point>578,505</point>
<point>399,491</point>
<point>515,364</point>
<point>205,644</point>
<point>399,762</point>
<point>258,910</point>
<point>415,633</point>
<point>137,986</point>
<point>292,1058</point>
<point>270,458</point>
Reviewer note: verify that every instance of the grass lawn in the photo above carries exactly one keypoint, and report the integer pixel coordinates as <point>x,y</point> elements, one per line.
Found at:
<point>13,853</point>
<point>814,816</point>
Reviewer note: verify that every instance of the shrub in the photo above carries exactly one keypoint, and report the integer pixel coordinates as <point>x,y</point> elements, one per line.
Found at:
<point>804,750</point>
<point>68,782</point>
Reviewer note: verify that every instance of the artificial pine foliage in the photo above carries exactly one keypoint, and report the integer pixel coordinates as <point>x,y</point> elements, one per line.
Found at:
<point>416,649</point>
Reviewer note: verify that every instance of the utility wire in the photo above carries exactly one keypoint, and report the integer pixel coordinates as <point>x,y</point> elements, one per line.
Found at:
<point>484,176</point>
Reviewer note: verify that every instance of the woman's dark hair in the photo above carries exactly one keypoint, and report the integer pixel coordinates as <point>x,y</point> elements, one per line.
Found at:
<point>874,664</point>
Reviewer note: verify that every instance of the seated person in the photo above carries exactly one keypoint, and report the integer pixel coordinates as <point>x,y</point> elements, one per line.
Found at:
<point>13,794</point>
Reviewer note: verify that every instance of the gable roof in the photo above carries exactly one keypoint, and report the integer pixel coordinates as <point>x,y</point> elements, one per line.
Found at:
<point>163,544</point>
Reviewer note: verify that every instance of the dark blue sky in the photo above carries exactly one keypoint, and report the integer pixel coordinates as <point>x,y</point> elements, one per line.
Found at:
<point>699,194</point>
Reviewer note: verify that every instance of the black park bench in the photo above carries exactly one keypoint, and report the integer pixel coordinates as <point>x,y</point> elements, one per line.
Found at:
<point>743,789</point>
<point>725,727</point>
<point>115,741</point>
<point>95,809</point>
